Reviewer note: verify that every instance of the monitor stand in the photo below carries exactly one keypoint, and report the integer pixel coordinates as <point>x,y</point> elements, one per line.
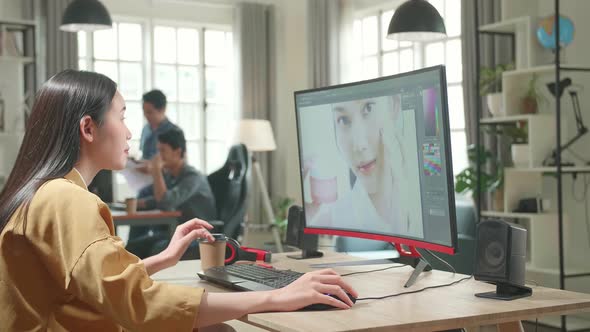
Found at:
<point>408,257</point>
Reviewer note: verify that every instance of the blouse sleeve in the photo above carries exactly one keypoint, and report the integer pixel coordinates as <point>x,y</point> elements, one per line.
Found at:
<point>116,283</point>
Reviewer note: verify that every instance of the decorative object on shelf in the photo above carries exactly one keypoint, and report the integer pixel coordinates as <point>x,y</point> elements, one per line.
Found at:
<point>490,85</point>
<point>533,97</point>
<point>518,135</point>
<point>86,15</point>
<point>519,149</point>
<point>557,91</point>
<point>416,20</point>
<point>2,114</point>
<point>547,26</point>
<point>257,135</point>
<point>520,155</point>
<point>532,205</point>
<point>466,180</point>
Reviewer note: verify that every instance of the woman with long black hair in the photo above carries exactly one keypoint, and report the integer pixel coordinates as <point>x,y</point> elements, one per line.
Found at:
<point>62,268</point>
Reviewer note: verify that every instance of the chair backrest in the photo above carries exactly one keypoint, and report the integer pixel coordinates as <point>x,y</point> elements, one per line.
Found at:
<point>230,188</point>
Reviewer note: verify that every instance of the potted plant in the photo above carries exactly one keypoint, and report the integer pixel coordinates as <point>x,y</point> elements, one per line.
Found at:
<point>519,147</point>
<point>490,85</point>
<point>466,180</point>
<point>533,97</point>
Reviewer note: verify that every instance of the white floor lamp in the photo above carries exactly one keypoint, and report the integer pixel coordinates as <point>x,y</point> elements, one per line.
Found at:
<point>258,137</point>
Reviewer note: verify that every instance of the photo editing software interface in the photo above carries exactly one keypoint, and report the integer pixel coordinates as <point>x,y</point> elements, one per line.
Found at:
<point>375,158</point>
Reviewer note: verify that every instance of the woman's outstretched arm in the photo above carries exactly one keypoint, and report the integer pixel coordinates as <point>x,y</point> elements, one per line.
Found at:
<point>309,289</point>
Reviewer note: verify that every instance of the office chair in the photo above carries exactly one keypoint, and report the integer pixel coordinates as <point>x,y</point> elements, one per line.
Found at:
<point>230,188</point>
<point>102,186</point>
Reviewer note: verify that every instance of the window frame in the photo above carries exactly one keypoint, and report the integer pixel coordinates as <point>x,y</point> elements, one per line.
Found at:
<point>148,65</point>
<point>419,55</point>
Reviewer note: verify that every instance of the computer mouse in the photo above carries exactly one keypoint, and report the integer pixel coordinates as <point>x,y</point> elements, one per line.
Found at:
<point>322,306</point>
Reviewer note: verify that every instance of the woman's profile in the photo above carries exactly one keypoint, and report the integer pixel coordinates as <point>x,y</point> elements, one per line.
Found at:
<point>62,267</point>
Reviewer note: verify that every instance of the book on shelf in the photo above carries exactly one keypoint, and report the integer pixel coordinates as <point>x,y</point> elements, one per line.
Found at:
<point>11,43</point>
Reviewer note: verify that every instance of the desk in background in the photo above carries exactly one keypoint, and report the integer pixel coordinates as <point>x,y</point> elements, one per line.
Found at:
<point>433,309</point>
<point>147,218</point>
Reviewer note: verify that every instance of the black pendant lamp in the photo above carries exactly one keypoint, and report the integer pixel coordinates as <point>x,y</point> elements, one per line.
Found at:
<point>416,20</point>
<point>86,15</point>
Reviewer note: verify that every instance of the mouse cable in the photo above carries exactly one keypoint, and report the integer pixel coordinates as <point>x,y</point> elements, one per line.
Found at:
<point>383,269</point>
<point>412,292</point>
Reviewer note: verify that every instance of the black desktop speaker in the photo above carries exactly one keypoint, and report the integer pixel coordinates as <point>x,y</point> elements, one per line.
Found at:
<point>308,243</point>
<point>500,259</point>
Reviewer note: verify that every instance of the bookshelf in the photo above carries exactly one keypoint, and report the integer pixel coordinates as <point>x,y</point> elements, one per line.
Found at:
<point>17,82</point>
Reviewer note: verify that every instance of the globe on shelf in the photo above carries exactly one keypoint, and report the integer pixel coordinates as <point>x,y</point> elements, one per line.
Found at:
<point>547,27</point>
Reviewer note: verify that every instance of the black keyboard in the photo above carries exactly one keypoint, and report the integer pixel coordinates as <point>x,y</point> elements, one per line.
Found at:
<point>267,276</point>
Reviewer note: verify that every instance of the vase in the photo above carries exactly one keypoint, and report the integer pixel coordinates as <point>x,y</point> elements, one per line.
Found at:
<point>520,155</point>
<point>496,104</point>
<point>498,199</point>
<point>529,105</point>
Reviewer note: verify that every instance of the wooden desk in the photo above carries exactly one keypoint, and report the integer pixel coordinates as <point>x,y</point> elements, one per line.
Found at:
<point>433,309</point>
<point>147,218</point>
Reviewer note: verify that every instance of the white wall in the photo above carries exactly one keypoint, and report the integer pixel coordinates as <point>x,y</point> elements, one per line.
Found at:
<point>198,11</point>
<point>292,75</point>
<point>11,9</point>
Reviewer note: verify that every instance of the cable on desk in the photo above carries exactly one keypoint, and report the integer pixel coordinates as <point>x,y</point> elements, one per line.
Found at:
<point>383,269</point>
<point>442,260</point>
<point>412,292</point>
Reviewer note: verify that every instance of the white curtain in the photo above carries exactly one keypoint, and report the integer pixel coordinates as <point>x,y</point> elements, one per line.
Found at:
<point>61,47</point>
<point>255,70</point>
<point>323,35</point>
<point>493,51</point>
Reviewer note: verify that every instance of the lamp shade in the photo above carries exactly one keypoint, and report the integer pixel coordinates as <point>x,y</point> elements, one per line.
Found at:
<point>416,20</point>
<point>86,15</point>
<point>256,135</point>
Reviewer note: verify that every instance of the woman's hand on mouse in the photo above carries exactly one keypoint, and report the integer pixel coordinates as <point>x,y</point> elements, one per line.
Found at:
<point>314,287</point>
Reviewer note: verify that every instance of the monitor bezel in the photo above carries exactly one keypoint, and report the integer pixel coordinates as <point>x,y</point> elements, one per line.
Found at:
<point>453,248</point>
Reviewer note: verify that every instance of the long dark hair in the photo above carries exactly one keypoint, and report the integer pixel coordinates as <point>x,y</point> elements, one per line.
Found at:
<point>51,145</point>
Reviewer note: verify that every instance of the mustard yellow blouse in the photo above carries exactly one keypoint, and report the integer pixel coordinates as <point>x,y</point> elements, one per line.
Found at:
<point>66,271</point>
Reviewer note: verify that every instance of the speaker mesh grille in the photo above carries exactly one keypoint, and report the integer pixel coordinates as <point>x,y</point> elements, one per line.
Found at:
<point>492,244</point>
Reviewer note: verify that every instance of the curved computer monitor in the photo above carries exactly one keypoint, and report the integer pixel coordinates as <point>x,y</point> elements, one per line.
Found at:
<point>375,160</point>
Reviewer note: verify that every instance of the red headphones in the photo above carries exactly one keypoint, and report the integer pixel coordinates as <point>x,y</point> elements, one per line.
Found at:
<point>234,252</point>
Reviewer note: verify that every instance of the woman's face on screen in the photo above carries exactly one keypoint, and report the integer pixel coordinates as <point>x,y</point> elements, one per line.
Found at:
<point>358,135</point>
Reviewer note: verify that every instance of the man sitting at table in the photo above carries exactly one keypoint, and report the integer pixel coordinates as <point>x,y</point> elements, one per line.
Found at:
<point>177,186</point>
